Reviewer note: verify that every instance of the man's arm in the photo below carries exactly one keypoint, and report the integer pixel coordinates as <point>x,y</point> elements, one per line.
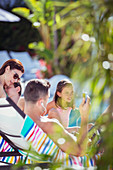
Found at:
<point>66,141</point>
<point>73,130</point>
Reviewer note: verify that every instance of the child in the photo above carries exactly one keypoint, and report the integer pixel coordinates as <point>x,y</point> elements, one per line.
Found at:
<point>62,103</point>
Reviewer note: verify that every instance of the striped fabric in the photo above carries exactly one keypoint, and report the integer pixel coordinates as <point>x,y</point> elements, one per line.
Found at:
<point>84,161</point>
<point>5,147</point>
<point>44,145</point>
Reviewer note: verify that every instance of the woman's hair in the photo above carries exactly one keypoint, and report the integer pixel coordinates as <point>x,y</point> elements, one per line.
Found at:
<point>14,64</point>
<point>61,84</point>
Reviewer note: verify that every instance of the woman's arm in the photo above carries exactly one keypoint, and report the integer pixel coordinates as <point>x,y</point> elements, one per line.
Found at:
<point>21,103</point>
<point>2,92</point>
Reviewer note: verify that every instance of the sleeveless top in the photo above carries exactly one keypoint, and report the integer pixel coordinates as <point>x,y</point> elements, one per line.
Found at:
<point>64,115</point>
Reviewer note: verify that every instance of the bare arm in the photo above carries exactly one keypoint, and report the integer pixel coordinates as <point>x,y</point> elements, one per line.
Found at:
<point>50,105</point>
<point>66,141</point>
<point>53,113</point>
<point>73,129</point>
<point>2,92</point>
<point>21,103</point>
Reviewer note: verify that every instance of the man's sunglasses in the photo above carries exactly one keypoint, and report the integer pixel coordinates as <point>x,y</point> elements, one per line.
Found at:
<point>16,76</point>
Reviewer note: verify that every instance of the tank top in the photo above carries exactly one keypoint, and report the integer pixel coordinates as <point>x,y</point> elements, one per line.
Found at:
<point>64,115</point>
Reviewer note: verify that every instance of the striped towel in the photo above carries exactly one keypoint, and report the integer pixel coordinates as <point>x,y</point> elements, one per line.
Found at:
<point>44,145</point>
<point>5,147</point>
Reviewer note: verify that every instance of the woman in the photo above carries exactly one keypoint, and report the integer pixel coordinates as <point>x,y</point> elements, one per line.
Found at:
<point>10,72</point>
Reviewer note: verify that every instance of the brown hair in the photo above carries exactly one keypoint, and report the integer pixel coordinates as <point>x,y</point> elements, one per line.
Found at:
<point>14,64</point>
<point>61,84</point>
<point>16,84</point>
<point>36,89</point>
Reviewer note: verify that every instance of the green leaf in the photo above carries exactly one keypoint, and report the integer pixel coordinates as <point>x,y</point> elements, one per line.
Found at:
<point>22,11</point>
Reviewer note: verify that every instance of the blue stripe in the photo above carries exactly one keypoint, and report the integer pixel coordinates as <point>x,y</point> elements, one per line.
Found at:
<point>28,130</point>
<point>28,124</point>
<point>21,158</point>
<point>81,160</point>
<point>70,160</point>
<point>3,158</point>
<point>15,159</point>
<point>46,146</point>
<point>50,147</point>
<point>91,162</point>
<point>2,143</point>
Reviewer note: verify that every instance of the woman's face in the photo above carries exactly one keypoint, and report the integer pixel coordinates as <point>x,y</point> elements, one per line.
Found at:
<point>11,76</point>
<point>66,94</point>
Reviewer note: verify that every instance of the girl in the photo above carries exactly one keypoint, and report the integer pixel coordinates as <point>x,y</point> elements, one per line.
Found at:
<point>10,72</point>
<point>62,103</point>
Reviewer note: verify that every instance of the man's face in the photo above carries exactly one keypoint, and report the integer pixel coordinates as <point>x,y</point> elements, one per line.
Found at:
<point>11,90</point>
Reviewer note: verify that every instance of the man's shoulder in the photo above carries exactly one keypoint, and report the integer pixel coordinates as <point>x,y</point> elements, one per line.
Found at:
<point>48,120</point>
<point>49,125</point>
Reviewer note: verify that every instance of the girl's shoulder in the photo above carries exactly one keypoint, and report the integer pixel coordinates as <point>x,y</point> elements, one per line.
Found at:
<point>51,104</point>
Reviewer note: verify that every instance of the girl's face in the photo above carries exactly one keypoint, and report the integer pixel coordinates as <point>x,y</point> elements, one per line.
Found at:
<point>11,76</point>
<point>66,94</point>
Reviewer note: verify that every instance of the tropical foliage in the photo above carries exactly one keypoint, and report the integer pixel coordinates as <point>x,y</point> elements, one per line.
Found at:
<point>77,40</point>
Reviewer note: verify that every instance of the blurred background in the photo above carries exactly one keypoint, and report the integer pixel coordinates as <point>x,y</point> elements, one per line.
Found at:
<point>62,39</point>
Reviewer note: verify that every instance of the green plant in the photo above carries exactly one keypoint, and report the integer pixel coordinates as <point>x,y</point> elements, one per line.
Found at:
<point>77,40</point>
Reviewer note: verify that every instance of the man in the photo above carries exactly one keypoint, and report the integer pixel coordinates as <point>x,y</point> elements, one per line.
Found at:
<point>36,95</point>
<point>14,91</point>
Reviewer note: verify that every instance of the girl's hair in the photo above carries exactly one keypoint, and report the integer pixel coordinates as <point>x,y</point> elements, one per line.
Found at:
<point>14,64</point>
<point>61,84</point>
